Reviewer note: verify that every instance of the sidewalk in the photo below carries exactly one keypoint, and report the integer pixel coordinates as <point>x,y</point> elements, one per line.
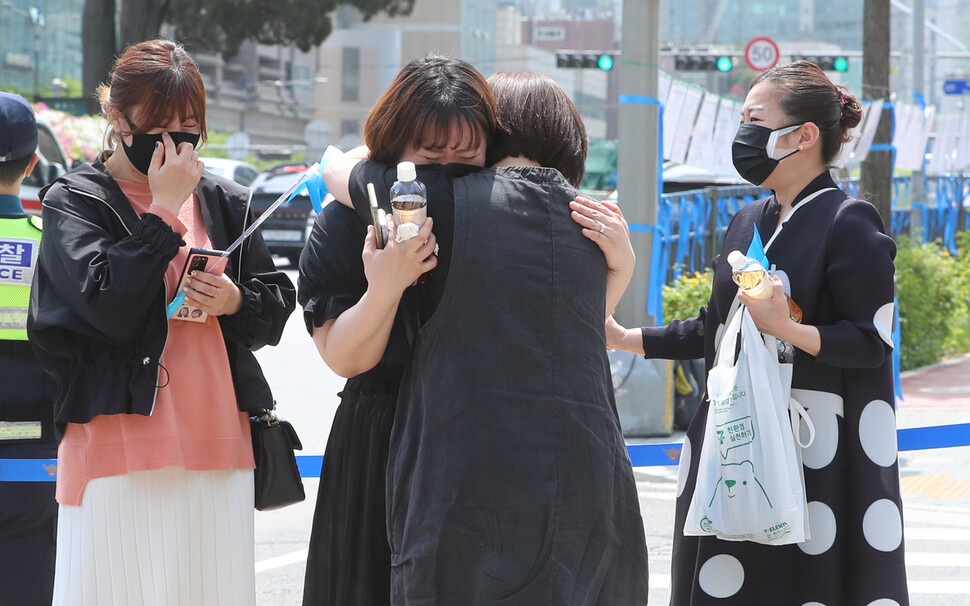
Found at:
<point>942,385</point>
<point>938,394</point>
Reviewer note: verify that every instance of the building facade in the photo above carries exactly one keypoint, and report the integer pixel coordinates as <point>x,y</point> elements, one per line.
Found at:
<point>42,32</point>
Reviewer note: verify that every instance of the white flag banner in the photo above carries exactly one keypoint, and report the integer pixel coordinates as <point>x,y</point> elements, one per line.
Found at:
<point>685,124</point>
<point>869,130</point>
<point>923,137</point>
<point>672,111</point>
<point>902,135</point>
<point>701,152</point>
<point>936,165</point>
<point>725,127</point>
<point>663,87</point>
<point>847,155</point>
<point>962,144</point>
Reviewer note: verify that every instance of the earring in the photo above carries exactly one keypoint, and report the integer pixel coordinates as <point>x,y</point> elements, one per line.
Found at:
<point>800,147</point>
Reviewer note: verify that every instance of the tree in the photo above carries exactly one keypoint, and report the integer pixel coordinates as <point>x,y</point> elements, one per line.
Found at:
<point>877,170</point>
<point>217,25</point>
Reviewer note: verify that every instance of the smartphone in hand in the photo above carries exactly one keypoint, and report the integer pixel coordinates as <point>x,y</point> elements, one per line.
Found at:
<point>199,260</point>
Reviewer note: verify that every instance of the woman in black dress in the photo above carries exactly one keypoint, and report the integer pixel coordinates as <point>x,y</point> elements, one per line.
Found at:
<point>437,109</point>
<point>833,252</point>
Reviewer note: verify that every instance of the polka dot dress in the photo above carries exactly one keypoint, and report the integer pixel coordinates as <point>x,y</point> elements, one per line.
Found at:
<point>841,273</point>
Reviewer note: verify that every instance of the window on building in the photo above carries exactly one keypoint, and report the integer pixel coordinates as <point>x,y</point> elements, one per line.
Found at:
<point>549,33</point>
<point>349,127</point>
<point>350,74</point>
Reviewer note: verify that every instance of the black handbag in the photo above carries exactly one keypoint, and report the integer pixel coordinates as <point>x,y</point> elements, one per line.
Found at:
<point>277,476</point>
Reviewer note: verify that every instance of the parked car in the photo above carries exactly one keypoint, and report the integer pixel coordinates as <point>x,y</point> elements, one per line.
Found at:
<point>52,162</point>
<point>681,177</point>
<point>287,229</point>
<point>237,170</point>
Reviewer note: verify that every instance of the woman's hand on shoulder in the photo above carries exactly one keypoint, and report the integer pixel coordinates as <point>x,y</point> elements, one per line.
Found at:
<point>390,270</point>
<point>604,224</point>
<point>174,174</point>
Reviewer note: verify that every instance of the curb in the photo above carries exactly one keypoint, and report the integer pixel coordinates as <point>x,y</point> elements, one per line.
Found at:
<point>941,364</point>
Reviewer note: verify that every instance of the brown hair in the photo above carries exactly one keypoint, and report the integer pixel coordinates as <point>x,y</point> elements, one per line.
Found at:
<point>537,120</point>
<point>427,98</point>
<point>809,96</point>
<point>162,78</point>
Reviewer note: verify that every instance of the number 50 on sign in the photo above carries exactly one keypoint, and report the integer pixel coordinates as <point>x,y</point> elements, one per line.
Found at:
<point>761,53</point>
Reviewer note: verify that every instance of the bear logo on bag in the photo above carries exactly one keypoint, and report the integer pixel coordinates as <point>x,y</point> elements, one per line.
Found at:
<point>739,480</point>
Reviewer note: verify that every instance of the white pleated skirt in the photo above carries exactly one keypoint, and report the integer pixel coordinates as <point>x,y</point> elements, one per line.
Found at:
<point>168,537</point>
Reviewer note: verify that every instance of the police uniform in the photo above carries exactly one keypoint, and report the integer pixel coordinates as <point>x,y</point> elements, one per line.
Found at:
<point>27,509</point>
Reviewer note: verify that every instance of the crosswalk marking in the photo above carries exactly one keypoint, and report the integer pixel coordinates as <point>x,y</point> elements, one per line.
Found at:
<point>939,587</point>
<point>936,534</point>
<point>946,560</point>
<point>280,561</point>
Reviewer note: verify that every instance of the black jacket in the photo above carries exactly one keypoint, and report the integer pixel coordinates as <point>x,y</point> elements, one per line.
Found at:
<point>97,318</point>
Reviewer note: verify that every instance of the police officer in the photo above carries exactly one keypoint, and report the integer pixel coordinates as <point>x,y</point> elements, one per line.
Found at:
<point>27,509</point>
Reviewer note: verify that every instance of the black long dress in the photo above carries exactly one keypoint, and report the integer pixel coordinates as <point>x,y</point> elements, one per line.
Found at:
<point>349,560</point>
<point>839,263</point>
<point>508,477</point>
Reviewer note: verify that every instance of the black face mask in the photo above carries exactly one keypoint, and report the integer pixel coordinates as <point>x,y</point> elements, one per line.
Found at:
<point>143,146</point>
<point>754,151</point>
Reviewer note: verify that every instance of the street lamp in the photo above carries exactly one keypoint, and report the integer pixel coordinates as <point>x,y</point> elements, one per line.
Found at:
<point>36,19</point>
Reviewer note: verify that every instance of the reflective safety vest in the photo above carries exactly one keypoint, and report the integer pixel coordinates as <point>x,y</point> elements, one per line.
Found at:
<point>19,244</point>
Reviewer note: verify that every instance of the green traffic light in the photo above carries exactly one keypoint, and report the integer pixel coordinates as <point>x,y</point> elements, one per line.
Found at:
<point>724,64</point>
<point>841,64</point>
<point>605,62</point>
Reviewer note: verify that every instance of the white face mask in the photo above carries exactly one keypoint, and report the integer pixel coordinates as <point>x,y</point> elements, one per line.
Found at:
<point>780,153</point>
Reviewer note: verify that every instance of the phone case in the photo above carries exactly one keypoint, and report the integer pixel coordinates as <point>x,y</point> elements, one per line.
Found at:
<point>199,259</point>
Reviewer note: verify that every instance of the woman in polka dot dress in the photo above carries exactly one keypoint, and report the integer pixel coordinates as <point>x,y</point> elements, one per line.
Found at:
<point>831,253</point>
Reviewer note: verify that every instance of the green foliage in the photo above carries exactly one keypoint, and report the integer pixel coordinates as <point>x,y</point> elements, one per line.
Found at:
<point>223,25</point>
<point>684,298</point>
<point>933,312</point>
<point>958,340</point>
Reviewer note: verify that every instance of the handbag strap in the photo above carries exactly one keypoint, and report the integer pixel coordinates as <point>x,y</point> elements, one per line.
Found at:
<point>732,312</point>
<point>796,410</point>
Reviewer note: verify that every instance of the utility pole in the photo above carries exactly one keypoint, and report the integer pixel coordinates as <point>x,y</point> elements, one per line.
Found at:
<point>919,83</point>
<point>877,170</point>
<point>645,405</point>
<point>638,179</point>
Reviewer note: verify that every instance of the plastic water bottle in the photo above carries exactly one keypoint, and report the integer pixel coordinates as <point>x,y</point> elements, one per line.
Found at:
<point>409,199</point>
<point>409,203</point>
<point>752,278</point>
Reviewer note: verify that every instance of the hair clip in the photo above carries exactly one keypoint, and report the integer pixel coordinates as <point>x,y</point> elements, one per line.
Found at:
<point>843,99</point>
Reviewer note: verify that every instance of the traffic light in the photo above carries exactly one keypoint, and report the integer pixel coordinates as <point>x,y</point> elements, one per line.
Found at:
<point>603,60</point>
<point>828,63</point>
<point>703,63</point>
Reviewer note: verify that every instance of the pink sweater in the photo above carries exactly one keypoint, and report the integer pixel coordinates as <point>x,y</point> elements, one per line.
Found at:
<point>196,424</point>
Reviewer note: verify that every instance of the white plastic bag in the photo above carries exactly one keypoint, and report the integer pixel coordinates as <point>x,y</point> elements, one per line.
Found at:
<point>749,485</point>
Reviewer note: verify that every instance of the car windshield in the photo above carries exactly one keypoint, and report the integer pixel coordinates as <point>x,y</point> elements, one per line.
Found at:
<point>279,182</point>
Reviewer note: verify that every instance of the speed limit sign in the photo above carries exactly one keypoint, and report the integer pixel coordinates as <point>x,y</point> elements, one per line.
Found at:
<point>761,53</point>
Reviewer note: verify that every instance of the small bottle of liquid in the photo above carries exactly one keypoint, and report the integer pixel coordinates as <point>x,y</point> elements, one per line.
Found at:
<point>409,201</point>
<point>754,280</point>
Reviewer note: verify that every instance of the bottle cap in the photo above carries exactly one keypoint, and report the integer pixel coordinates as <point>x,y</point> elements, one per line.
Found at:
<point>737,259</point>
<point>405,171</point>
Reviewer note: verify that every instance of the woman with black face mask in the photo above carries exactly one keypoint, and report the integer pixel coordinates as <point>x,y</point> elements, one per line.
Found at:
<point>830,253</point>
<point>155,480</point>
